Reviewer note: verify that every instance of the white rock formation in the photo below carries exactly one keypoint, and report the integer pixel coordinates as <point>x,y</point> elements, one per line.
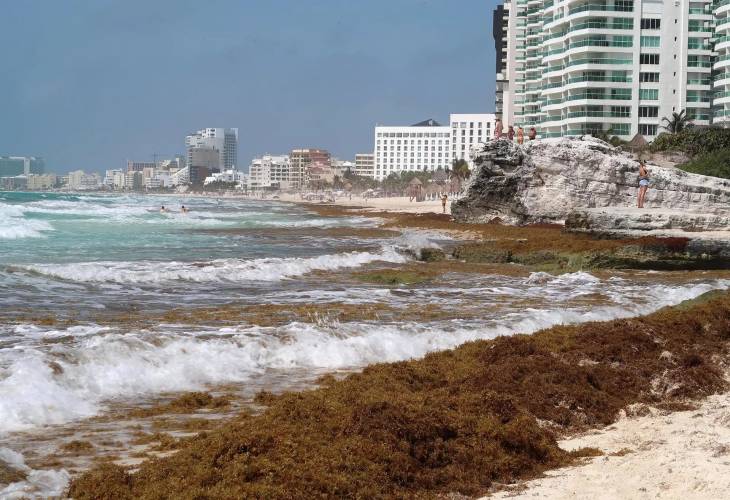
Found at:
<point>546,180</point>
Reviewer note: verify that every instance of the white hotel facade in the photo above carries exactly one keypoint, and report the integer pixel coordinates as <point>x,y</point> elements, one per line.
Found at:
<point>573,67</point>
<point>428,145</point>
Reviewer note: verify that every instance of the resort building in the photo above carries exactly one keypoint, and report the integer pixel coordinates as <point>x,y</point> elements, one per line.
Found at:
<point>300,159</point>
<point>223,140</point>
<point>140,166</point>
<point>616,67</point>
<point>364,165</point>
<point>78,180</point>
<point>423,146</point>
<point>21,165</point>
<point>270,171</point>
<point>467,131</point>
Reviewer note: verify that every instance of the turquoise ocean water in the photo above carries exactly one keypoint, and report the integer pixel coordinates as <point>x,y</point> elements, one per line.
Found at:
<point>67,260</point>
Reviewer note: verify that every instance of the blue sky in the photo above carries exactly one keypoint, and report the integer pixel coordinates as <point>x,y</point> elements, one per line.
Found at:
<point>91,83</point>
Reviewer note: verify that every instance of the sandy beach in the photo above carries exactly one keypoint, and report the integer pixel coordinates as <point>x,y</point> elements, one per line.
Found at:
<point>682,455</point>
<point>394,204</point>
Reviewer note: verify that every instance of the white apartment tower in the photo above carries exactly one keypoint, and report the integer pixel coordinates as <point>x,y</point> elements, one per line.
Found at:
<point>574,67</point>
<point>224,140</point>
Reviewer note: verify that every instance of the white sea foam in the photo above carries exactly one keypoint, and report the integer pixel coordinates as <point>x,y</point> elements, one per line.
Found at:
<point>221,270</point>
<point>37,483</point>
<point>74,379</point>
<point>14,224</point>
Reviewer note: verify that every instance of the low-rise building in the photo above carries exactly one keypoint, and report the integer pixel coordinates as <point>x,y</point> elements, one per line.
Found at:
<point>467,131</point>
<point>14,183</point>
<point>78,180</point>
<point>300,159</point>
<point>36,182</point>
<point>227,176</point>
<point>270,171</point>
<point>140,166</point>
<point>425,146</point>
<point>364,165</point>
<point>134,180</point>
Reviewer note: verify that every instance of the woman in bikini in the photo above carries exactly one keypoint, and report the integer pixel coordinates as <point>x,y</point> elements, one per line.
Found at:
<point>643,183</point>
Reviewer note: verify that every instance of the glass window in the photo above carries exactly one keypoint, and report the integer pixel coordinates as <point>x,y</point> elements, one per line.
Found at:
<point>649,94</point>
<point>647,129</point>
<point>650,24</point>
<point>648,111</point>
<point>648,77</point>
<point>650,41</point>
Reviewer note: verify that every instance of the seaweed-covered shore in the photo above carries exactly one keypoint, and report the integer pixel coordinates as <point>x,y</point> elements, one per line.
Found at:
<point>458,421</point>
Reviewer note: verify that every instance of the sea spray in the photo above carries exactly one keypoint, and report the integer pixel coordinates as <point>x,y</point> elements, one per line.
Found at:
<point>76,378</point>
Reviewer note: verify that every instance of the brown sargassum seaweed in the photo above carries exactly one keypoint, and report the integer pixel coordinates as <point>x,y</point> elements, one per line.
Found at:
<point>457,421</point>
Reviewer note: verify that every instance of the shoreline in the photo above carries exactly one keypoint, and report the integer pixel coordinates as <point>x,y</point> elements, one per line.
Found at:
<point>361,423</point>
<point>474,238</point>
<point>396,204</point>
<point>154,477</point>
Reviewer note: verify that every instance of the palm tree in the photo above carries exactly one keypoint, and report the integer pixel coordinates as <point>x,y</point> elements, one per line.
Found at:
<point>677,123</point>
<point>460,169</point>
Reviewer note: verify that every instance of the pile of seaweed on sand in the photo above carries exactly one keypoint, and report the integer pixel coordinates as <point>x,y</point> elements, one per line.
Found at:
<point>457,421</point>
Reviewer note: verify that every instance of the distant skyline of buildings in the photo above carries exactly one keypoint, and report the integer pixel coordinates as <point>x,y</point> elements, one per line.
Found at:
<point>427,146</point>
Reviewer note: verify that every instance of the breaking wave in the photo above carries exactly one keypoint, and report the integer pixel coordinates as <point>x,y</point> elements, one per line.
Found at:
<point>93,364</point>
<point>220,270</point>
<point>14,225</point>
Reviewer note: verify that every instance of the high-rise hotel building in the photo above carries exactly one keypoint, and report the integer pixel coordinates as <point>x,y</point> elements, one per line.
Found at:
<point>573,67</point>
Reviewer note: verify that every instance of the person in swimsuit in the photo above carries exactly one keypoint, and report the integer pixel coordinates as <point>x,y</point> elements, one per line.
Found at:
<point>643,183</point>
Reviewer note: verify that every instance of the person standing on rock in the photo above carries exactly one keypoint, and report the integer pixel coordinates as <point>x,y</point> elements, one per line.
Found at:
<point>498,129</point>
<point>532,135</point>
<point>643,183</point>
<point>520,135</point>
<point>511,133</point>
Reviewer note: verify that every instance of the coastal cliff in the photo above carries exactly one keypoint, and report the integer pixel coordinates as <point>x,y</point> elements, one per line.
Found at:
<point>547,180</point>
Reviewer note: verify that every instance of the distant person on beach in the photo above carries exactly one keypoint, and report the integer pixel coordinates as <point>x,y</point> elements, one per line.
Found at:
<point>511,133</point>
<point>643,183</point>
<point>444,198</point>
<point>520,135</point>
<point>532,135</point>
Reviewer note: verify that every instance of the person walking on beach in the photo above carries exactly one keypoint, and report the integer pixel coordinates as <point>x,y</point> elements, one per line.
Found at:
<point>643,183</point>
<point>444,198</point>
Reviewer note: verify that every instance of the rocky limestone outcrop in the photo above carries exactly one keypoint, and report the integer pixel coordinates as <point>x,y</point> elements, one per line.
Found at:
<point>546,180</point>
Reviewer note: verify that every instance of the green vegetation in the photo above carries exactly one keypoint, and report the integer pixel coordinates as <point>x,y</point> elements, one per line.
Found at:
<point>460,169</point>
<point>709,149</point>
<point>693,141</point>
<point>677,122</point>
<point>453,422</point>
<point>716,164</point>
